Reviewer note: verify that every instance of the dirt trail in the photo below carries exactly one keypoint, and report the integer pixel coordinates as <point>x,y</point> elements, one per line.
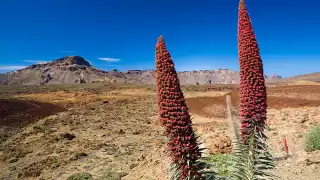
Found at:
<point>198,119</point>
<point>215,107</point>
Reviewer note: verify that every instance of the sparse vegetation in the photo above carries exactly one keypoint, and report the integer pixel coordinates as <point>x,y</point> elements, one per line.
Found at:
<point>41,129</point>
<point>300,136</point>
<point>96,126</point>
<point>221,162</point>
<point>285,114</point>
<point>80,176</point>
<point>269,128</point>
<point>305,118</point>
<point>313,139</point>
<point>111,175</point>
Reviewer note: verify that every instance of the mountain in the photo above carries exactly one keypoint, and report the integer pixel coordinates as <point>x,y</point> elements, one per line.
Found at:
<point>219,76</point>
<point>67,70</point>
<point>75,69</point>
<point>315,77</point>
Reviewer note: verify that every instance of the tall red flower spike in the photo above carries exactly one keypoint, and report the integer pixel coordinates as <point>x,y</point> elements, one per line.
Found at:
<point>253,96</point>
<point>174,116</point>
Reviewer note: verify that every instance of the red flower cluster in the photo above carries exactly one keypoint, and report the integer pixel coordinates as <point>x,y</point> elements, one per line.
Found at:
<point>253,96</point>
<point>174,116</point>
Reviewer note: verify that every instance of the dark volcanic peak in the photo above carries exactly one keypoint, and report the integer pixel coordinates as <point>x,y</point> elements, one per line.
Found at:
<point>70,60</point>
<point>66,70</point>
<point>65,61</point>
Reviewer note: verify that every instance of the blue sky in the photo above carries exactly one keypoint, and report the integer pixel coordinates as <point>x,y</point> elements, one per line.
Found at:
<point>121,34</point>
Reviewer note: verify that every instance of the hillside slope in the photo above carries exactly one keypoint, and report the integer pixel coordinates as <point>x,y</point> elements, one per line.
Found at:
<point>315,77</point>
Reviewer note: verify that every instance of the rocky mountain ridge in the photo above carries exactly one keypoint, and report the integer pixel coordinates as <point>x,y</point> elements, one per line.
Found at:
<point>75,69</point>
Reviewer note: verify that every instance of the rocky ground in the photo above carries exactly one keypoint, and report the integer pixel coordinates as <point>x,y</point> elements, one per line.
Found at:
<point>111,131</point>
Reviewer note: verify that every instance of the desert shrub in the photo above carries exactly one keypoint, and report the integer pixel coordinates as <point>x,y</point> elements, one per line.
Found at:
<point>41,129</point>
<point>80,176</point>
<point>111,175</point>
<point>313,139</point>
<point>221,162</point>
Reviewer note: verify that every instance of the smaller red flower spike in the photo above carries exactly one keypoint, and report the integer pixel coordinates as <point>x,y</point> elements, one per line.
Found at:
<point>174,116</point>
<point>286,148</point>
<point>253,97</point>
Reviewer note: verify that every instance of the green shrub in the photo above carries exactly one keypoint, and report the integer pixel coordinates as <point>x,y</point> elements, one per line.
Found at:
<point>313,139</point>
<point>221,163</point>
<point>111,175</point>
<point>80,176</point>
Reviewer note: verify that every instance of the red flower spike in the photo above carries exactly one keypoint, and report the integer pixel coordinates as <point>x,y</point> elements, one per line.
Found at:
<point>253,96</point>
<point>286,148</point>
<point>177,124</point>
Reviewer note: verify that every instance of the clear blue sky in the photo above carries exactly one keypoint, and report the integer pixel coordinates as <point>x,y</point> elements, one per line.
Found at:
<point>200,34</point>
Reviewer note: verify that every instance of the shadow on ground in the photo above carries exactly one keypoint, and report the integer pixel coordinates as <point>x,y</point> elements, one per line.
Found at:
<point>15,114</point>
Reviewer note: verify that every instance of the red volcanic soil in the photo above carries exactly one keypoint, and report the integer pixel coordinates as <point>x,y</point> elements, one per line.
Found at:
<point>216,106</point>
<point>17,113</point>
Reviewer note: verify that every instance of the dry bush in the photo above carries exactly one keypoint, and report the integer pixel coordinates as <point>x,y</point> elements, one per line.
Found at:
<point>313,139</point>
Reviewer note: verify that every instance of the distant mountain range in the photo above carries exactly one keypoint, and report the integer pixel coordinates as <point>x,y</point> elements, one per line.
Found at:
<point>75,69</point>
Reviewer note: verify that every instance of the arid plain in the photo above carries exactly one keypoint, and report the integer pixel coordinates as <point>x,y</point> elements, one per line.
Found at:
<point>110,130</point>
